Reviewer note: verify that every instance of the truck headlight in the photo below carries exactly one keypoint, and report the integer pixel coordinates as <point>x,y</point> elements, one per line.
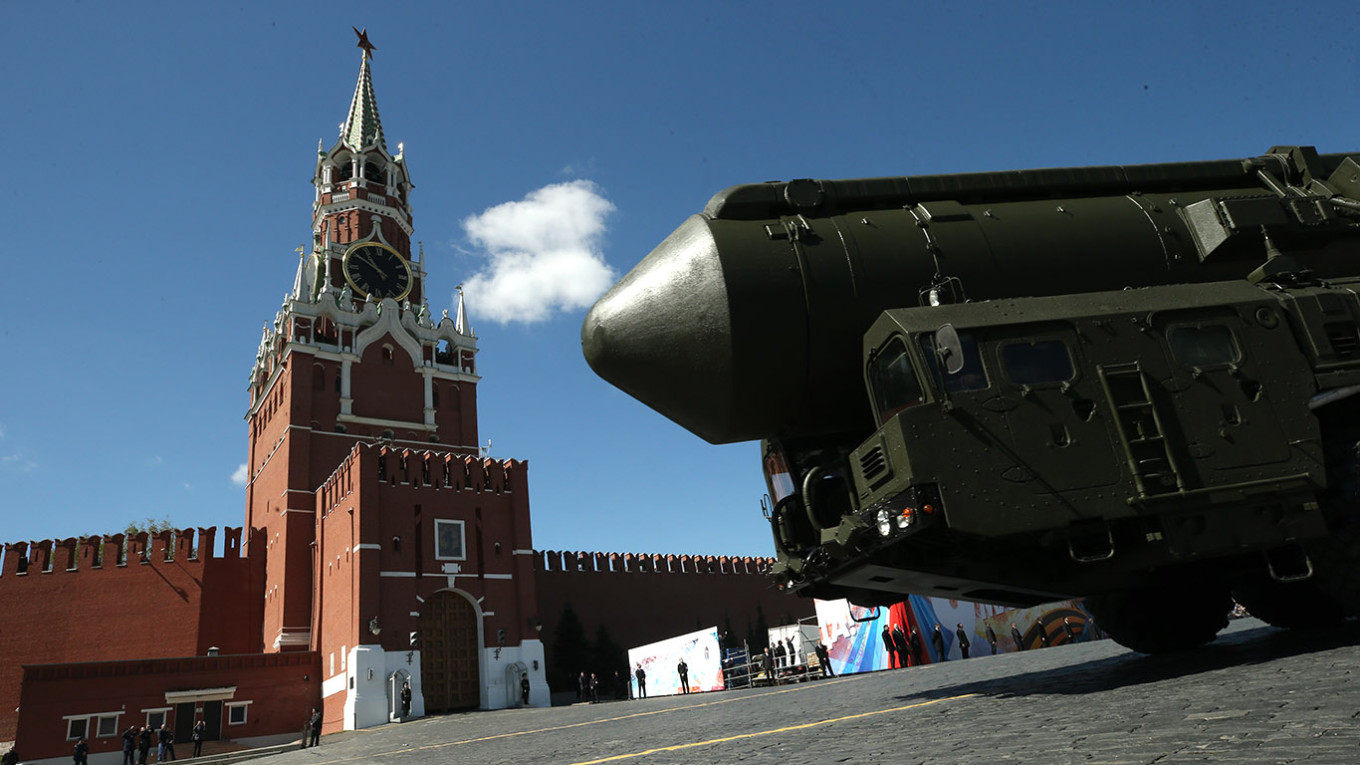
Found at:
<point>885,522</point>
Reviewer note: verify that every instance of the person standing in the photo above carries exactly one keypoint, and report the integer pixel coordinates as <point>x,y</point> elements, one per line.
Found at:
<point>406,699</point>
<point>166,740</point>
<point>582,688</point>
<point>899,639</point>
<point>683,669</point>
<point>824,659</point>
<point>315,724</point>
<point>143,744</point>
<point>964,643</point>
<point>130,745</point>
<point>991,638</point>
<point>82,752</point>
<point>197,737</point>
<point>937,642</point>
<point>916,647</point>
<point>641,675</point>
<point>1069,630</point>
<point>594,688</point>
<point>890,647</point>
<point>1015,635</point>
<point>1043,634</point>
<point>524,688</point>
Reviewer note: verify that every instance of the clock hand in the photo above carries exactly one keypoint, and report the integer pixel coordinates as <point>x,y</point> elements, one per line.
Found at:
<point>369,262</point>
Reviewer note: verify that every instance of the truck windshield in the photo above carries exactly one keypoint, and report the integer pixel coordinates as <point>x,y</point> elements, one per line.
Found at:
<point>893,380</point>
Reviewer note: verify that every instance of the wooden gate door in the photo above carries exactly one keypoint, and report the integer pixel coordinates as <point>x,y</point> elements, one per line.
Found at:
<point>448,653</point>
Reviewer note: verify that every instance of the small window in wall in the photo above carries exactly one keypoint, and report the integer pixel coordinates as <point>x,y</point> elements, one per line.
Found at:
<point>155,718</point>
<point>77,727</point>
<point>107,726</point>
<point>448,544</point>
<point>236,713</point>
<point>1037,363</point>
<point>1206,346</point>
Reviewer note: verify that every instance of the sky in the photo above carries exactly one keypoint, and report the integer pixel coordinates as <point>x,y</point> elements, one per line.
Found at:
<point>160,158</point>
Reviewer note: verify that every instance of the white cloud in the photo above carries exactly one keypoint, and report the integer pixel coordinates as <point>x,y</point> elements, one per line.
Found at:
<point>240,476</point>
<point>543,252</point>
<point>18,462</point>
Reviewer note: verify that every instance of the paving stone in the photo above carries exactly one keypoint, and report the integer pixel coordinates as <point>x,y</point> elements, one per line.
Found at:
<point>1256,695</point>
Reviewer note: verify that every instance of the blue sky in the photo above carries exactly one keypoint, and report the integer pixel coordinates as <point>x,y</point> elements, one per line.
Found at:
<point>160,157</point>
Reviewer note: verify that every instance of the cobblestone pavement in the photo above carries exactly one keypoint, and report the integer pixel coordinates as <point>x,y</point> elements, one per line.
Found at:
<point>1256,695</point>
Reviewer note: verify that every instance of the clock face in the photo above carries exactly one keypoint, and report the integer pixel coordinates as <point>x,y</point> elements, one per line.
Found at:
<point>373,268</point>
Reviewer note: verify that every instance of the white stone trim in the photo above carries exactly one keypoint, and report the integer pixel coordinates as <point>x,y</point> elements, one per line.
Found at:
<point>202,694</point>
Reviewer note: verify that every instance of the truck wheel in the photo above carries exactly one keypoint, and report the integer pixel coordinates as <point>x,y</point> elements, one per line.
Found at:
<point>1336,557</point>
<point>1161,619</point>
<point>1297,605</point>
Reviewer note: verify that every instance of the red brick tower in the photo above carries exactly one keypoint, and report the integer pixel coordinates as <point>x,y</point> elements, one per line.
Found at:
<point>394,547</point>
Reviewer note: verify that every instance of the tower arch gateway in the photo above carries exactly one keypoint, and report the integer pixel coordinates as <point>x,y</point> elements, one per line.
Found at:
<point>450,638</point>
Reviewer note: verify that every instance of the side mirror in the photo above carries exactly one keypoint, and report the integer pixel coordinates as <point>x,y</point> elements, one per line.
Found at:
<point>949,349</point>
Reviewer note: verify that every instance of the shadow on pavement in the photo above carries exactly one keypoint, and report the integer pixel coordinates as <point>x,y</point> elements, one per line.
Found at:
<point>1242,648</point>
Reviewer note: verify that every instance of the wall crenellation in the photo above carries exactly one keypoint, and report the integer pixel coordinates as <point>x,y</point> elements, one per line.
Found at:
<point>113,551</point>
<point>449,470</point>
<point>648,563</point>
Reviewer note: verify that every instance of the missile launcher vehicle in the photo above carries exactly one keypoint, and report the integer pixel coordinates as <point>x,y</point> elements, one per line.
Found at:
<point>1133,384</point>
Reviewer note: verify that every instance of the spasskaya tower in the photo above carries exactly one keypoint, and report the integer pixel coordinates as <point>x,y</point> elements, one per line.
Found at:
<point>395,547</point>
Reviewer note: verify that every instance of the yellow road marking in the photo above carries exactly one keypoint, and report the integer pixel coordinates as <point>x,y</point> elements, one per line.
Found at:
<point>741,736</point>
<point>552,729</point>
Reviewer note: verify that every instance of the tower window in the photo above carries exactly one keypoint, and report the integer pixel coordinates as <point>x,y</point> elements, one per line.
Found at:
<point>387,354</point>
<point>373,173</point>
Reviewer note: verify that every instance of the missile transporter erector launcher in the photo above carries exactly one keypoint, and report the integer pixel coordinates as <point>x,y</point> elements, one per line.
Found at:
<point>1131,384</point>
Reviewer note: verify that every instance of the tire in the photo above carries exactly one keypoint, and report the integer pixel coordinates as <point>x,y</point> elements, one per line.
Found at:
<point>1297,605</point>
<point>1336,557</point>
<point>1161,619</point>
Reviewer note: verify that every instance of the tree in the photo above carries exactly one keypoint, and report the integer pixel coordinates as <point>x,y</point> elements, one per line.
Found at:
<point>150,526</point>
<point>571,651</point>
<point>609,658</point>
<point>761,641</point>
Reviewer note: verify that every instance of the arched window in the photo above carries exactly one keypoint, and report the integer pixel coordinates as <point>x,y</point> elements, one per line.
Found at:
<point>374,173</point>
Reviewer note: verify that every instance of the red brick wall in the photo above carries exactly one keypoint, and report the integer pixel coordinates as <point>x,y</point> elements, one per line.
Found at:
<point>150,609</point>
<point>641,599</point>
<point>282,689</point>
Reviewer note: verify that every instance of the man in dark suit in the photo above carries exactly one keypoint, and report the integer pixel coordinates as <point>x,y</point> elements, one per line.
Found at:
<point>900,645</point>
<point>937,642</point>
<point>1015,635</point>
<point>964,643</point>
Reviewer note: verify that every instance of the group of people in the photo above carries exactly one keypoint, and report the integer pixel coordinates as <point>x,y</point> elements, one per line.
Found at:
<point>137,743</point>
<point>908,650</point>
<point>589,686</point>
<point>784,655</point>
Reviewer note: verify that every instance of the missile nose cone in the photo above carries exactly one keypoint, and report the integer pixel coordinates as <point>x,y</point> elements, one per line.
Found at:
<point>663,333</point>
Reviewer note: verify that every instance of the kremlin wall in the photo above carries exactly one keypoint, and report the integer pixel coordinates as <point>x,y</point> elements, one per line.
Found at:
<point>380,546</point>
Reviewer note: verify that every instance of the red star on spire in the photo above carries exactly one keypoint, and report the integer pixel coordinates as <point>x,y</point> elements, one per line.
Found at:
<point>364,43</point>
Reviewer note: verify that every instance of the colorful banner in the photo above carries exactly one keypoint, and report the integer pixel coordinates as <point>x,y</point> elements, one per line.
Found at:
<point>661,660</point>
<point>922,630</point>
